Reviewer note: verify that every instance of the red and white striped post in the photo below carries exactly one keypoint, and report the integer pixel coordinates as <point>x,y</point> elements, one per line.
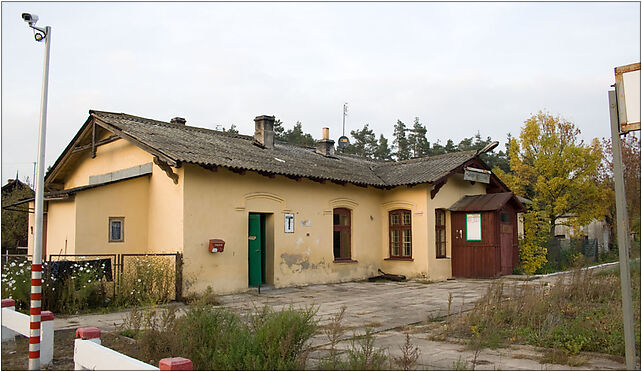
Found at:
<point>36,264</point>
<point>35,312</point>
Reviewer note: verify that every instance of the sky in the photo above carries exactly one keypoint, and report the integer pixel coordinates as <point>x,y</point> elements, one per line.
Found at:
<point>462,68</point>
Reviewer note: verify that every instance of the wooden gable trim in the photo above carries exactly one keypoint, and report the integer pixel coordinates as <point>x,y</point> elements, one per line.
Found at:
<point>95,145</point>
<point>167,169</point>
<point>67,152</point>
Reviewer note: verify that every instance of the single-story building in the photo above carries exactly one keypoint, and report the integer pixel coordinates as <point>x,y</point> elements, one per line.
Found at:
<point>249,210</point>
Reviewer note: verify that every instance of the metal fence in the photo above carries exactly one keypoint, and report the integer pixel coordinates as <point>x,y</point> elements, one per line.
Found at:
<point>121,265</point>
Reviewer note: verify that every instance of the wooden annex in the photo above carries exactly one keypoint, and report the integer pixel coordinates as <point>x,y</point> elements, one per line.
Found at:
<point>484,235</point>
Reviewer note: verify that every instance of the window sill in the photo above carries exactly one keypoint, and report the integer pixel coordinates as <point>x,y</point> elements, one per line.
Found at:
<point>344,260</point>
<point>399,259</point>
<point>443,258</point>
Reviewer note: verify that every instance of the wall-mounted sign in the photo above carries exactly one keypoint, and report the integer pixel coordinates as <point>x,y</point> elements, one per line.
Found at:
<point>473,227</point>
<point>289,222</point>
<point>476,174</point>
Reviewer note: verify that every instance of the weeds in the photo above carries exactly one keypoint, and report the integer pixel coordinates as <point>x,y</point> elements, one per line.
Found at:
<point>363,355</point>
<point>334,331</point>
<point>409,356</point>
<point>215,338</point>
<point>581,312</point>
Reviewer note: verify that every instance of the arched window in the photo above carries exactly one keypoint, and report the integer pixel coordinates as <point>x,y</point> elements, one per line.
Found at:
<point>400,233</point>
<point>341,234</point>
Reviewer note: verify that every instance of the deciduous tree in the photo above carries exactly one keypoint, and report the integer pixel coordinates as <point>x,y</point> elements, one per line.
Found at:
<point>554,168</point>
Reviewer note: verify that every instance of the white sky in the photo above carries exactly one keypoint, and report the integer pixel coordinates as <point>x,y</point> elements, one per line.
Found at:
<point>460,67</point>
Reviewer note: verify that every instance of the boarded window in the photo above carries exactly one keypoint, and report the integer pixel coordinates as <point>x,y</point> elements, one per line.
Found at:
<point>400,234</point>
<point>116,229</point>
<point>341,231</point>
<point>440,232</point>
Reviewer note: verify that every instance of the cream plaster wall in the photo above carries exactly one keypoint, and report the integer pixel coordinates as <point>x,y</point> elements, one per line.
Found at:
<point>217,205</point>
<point>110,157</point>
<point>128,199</point>
<point>61,227</point>
<point>454,189</point>
<point>165,212</point>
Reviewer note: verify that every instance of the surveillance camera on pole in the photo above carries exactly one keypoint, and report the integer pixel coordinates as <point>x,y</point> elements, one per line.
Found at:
<point>40,34</point>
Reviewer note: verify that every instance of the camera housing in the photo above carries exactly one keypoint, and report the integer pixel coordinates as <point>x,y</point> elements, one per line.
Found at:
<point>31,19</point>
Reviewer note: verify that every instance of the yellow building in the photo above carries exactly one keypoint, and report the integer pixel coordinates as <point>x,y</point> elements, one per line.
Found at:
<point>286,215</point>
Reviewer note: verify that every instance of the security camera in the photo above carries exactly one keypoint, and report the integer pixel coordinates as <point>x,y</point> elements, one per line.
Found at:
<point>31,19</point>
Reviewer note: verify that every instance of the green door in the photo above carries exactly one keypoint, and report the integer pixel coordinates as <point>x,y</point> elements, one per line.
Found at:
<point>255,245</point>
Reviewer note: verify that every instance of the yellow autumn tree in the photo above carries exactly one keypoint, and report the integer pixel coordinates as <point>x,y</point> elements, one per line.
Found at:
<point>554,168</point>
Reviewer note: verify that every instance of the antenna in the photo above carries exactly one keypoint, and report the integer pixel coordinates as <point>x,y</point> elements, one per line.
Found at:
<point>345,113</point>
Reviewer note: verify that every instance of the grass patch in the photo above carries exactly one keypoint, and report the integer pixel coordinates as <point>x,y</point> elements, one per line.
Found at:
<point>581,312</point>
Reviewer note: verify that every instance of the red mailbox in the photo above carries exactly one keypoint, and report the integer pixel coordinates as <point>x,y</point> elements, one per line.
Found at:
<point>216,245</point>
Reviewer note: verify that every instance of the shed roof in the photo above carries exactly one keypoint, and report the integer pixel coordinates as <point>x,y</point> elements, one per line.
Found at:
<point>487,202</point>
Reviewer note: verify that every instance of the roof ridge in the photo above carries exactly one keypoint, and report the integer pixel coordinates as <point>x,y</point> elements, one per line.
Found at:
<point>164,123</point>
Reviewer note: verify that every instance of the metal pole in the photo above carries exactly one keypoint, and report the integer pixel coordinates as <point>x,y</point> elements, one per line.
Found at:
<point>622,233</point>
<point>36,263</point>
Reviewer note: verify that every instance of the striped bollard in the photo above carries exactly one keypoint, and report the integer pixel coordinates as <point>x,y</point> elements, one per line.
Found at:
<point>34,324</point>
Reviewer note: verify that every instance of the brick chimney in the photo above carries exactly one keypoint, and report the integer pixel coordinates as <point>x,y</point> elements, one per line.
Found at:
<point>264,131</point>
<point>178,120</point>
<point>325,146</point>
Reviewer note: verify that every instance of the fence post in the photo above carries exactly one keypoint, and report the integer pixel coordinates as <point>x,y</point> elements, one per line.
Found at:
<point>7,334</point>
<point>175,364</point>
<point>87,333</point>
<point>46,337</point>
<point>179,276</point>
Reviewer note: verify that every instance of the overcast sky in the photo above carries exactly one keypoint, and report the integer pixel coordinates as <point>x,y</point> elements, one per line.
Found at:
<point>460,67</point>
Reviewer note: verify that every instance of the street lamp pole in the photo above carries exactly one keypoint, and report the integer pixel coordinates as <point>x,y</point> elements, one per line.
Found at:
<point>36,263</point>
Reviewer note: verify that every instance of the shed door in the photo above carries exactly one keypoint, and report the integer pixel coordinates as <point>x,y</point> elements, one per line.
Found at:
<point>506,243</point>
<point>462,257</point>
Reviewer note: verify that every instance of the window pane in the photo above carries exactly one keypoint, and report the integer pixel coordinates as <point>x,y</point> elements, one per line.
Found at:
<point>344,220</point>
<point>115,230</point>
<point>406,218</point>
<point>440,219</point>
<point>394,242</point>
<point>407,243</point>
<point>336,244</point>
<point>335,219</point>
<point>394,219</point>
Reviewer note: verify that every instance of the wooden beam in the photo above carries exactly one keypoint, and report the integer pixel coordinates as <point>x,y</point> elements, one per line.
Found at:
<point>168,170</point>
<point>266,174</point>
<point>296,178</point>
<point>436,187</point>
<point>93,146</point>
<point>93,140</point>
<point>239,171</point>
<point>212,168</point>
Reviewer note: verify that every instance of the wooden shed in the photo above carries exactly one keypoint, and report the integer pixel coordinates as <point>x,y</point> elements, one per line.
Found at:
<point>484,235</point>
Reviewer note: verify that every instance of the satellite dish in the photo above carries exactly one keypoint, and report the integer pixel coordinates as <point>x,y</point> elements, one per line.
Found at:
<point>343,142</point>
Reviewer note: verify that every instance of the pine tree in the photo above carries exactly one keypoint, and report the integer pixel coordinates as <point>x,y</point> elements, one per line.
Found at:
<point>401,141</point>
<point>383,151</point>
<point>417,141</point>
<point>298,137</point>
<point>278,130</point>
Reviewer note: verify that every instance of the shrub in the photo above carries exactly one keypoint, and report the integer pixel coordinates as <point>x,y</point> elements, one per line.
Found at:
<point>16,282</point>
<point>363,355</point>
<point>146,280</point>
<point>216,338</point>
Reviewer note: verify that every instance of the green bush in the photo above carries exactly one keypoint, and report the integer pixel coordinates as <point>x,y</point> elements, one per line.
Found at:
<point>16,282</point>
<point>146,280</point>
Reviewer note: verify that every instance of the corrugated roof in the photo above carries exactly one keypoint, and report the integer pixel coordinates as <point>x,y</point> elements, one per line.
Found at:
<point>482,203</point>
<point>208,147</point>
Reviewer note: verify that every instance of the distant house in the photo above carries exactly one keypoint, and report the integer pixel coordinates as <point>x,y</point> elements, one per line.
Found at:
<point>14,218</point>
<point>249,210</point>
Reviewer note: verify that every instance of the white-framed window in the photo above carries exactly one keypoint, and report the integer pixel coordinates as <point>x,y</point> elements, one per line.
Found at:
<point>116,229</point>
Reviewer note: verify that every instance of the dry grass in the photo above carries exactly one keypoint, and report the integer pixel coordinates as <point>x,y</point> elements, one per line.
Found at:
<point>581,312</point>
